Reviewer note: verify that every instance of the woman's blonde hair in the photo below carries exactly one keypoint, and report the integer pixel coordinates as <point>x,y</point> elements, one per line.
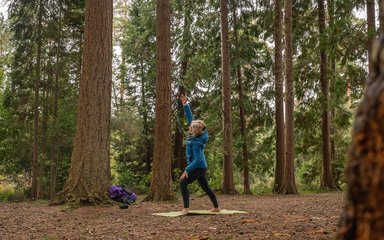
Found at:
<point>196,128</point>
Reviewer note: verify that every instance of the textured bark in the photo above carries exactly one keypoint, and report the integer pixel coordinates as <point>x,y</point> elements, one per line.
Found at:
<point>161,184</point>
<point>371,29</point>
<point>279,99</point>
<point>327,179</point>
<point>35,160</point>
<point>363,216</point>
<point>289,184</point>
<point>228,182</point>
<point>89,175</point>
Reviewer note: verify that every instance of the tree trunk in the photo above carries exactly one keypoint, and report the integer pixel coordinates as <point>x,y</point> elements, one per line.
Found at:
<point>44,128</point>
<point>289,184</point>
<point>371,29</point>
<point>54,146</point>
<point>332,68</point>
<point>364,209</point>
<point>180,161</point>
<point>381,16</point>
<point>327,179</point>
<point>243,127</point>
<point>161,184</point>
<point>89,175</point>
<point>35,161</point>
<point>279,99</point>
<point>228,182</point>
<point>144,113</point>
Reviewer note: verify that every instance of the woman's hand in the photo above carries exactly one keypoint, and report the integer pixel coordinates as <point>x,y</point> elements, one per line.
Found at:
<point>184,175</point>
<point>183,99</point>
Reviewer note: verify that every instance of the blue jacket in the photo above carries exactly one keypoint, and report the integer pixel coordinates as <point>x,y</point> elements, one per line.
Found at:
<point>195,146</point>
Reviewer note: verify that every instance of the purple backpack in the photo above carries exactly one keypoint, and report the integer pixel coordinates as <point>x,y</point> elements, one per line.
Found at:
<point>118,193</point>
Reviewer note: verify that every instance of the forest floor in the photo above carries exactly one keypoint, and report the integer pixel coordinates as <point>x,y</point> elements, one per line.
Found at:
<point>313,216</point>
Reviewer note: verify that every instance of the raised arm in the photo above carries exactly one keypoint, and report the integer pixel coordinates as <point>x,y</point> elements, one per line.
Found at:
<point>187,109</point>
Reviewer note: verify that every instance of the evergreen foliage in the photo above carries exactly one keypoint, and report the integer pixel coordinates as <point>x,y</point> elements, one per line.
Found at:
<point>195,32</point>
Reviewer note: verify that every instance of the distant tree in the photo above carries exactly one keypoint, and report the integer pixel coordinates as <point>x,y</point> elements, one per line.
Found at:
<point>289,183</point>
<point>35,160</point>
<point>279,98</point>
<point>161,183</point>
<point>240,90</point>
<point>228,182</point>
<point>327,179</point>
<point>89,175</point>
<point>371,29</point>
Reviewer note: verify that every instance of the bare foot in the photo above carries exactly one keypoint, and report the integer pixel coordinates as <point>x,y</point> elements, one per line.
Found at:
<point>185,211</point>
<point>215,210</point>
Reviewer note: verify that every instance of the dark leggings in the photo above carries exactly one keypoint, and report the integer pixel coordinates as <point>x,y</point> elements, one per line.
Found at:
<point>199,175</point>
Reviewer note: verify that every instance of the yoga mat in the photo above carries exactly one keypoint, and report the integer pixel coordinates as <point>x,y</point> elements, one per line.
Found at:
<point>197,212</point>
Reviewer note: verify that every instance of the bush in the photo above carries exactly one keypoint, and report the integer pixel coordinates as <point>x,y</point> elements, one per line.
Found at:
<point>6,190</point>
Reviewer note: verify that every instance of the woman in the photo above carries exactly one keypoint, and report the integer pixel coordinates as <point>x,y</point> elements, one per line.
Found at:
<point>197,164</point>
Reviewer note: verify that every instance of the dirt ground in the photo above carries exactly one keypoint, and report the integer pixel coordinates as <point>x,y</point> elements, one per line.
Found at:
<point>269,217</point>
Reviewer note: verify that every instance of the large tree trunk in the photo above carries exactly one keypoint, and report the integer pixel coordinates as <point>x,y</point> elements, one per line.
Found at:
<point>364,210</point>
<point>228,182</point>
<point>289,184</point>
<point>243,127</point>
<point>327,179</point>
<point>279,99</point>
<point>89,175</point>
<point>35,161</point>
<point>161,184</point>
<point>371,29</point>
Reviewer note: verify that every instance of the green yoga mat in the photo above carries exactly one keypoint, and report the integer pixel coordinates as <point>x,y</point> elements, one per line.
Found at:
<point>198,212</point>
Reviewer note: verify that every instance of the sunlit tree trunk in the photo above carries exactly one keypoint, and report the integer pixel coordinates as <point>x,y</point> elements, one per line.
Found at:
<point>161,184</point>
<point>228,182</point>
<point>89,175</point>
<point>279,99</point>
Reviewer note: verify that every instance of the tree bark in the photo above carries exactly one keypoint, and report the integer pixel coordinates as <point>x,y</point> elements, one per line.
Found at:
<point>89,175</point>
<point>362,217</point>
<point>327,179</point>
<point>279,99</point>
<point>228,181</point>
<point>161,184</point>
<point>289,184</point>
